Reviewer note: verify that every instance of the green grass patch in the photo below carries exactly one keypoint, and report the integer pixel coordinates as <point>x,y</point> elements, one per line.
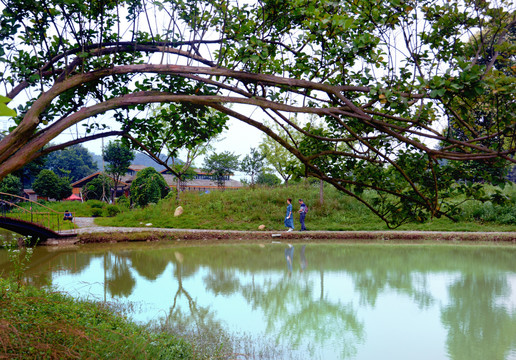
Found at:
<point>248,208</point>
<point>40,324</point>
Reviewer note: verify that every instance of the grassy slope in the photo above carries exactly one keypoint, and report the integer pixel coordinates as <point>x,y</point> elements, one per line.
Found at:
<point>37,324</point>
<point>247,209</point>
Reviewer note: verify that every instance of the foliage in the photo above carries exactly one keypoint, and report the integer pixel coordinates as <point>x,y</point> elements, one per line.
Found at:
<point>49,185</point>
<point>95,204</point>
<point>267,179</point>
<point>4,110</point>
<point>112,210</point>
<point>29,172</point>
<point>384,78</point>
<point>148,187</point>
<point>119,157</point>
<point>11,185</point>
<point>43,324</point>
<point>97,188</point>
<point>75,162</point>
<point>19,256</point>
<point>175,128</point>
<point>253,164</point>
<point>123,201</point>
<point>96,212</point>
<point>220,166</point>
<point>282,160</point>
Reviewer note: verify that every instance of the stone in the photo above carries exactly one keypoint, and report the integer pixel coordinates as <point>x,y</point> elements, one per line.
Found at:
<point>261,227</point>
<point>178,211</point>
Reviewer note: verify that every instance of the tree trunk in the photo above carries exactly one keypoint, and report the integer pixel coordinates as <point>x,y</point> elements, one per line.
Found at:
<point>321,192</point>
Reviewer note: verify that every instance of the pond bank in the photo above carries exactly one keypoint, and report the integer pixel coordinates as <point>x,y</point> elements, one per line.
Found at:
<point>88,232</point>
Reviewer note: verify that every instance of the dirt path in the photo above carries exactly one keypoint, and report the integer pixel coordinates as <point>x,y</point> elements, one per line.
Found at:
<point>89,232</point>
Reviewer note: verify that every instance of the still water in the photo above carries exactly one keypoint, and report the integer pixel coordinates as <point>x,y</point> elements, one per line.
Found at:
<point>319,301</point>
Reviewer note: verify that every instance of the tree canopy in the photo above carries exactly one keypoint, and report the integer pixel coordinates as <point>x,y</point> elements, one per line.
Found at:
<point>253,164</point>
<point>50,185</point>
<point>75,162</point>
<point>221,165</point>
<point>119,157</point>
<point>11,185</point>
<point>385,78</point>
<point>149,186</point>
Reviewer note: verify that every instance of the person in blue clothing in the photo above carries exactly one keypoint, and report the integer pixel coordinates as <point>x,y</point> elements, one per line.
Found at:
<point>289,218</point>
<point>303,209</point>
<point>68,216</point>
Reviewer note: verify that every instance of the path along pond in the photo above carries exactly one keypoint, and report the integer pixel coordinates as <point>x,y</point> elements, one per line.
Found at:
<point>314,301</point>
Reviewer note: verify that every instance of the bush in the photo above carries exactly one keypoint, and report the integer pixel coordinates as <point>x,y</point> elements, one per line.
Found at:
<point>95,204</point>
<point>123,201</point>
<point>148,187</point>
<point>96,212</point>
<point>112,210</point>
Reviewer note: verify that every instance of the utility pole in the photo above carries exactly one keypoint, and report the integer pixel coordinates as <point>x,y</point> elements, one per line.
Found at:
<point>103,174</point>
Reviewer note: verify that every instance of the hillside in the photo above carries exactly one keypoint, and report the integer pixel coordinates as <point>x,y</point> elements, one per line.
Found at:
<point>247,208</point>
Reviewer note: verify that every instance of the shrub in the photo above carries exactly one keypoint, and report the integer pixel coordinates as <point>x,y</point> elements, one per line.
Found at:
<point>96,212</point>
<point>148,187</point>
<point>112,210</point>
<point>123,201</point>
<point>95,204</point>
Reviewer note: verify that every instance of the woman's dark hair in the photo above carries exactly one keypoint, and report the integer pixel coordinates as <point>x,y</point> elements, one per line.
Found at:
<point>289,200</point>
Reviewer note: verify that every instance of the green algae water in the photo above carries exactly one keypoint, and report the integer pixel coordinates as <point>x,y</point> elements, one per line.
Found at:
<point>315,301</point>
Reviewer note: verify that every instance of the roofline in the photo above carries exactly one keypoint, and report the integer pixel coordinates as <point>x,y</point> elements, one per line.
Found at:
<point>97,173</point>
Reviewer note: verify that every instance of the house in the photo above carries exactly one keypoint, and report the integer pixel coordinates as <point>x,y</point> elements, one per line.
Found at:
<point>133,169</point>
<point>203,181</point>
<point>122,188</point>
<point>31,195</point>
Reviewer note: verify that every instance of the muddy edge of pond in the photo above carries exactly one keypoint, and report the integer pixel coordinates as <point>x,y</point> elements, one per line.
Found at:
<point>209,237</point>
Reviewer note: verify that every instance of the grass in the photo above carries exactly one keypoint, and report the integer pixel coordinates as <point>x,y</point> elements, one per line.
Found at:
<point>40,324</point>
<point>246,209</point>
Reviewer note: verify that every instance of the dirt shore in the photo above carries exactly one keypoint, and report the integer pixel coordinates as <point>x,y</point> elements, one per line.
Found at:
<point>89,232</point>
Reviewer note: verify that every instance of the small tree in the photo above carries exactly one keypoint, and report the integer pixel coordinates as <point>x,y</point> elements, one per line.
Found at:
<point>119,158</point>
<point>281,159</point>
<point>148,187</point>
<point>96,188</point>
<point>11,185</point>
<point>221,166</point>
<point>50,185</point>
<point>253,163</point>
<point>264,178</point>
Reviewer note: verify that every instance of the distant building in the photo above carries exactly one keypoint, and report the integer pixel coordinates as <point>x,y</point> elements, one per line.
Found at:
<point>31,195</point>
<point>122,188</point>
<point>133,169</point>
<point>203,181</point>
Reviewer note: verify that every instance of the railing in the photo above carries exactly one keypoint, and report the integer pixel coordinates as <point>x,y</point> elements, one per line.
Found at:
<point>20,208</point>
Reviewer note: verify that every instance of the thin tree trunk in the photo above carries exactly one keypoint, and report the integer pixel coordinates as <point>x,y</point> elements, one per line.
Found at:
<point>321,192</point>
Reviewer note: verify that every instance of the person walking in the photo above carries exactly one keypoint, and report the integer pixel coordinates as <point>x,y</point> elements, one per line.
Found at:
<point>303,209</point>
<point>289,218</point>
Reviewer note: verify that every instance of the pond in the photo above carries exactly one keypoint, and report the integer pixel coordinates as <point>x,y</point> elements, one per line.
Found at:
<point>315,301</point>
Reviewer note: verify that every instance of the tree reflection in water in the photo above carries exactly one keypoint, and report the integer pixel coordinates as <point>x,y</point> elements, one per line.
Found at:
<point>291,312</point>
<point>119,280</point>
<point>311,305</point>
<point>479,324</point>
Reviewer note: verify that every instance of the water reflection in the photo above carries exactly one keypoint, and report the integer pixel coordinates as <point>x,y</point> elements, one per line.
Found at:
<point>289,257</point>
<point>352,302</point>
